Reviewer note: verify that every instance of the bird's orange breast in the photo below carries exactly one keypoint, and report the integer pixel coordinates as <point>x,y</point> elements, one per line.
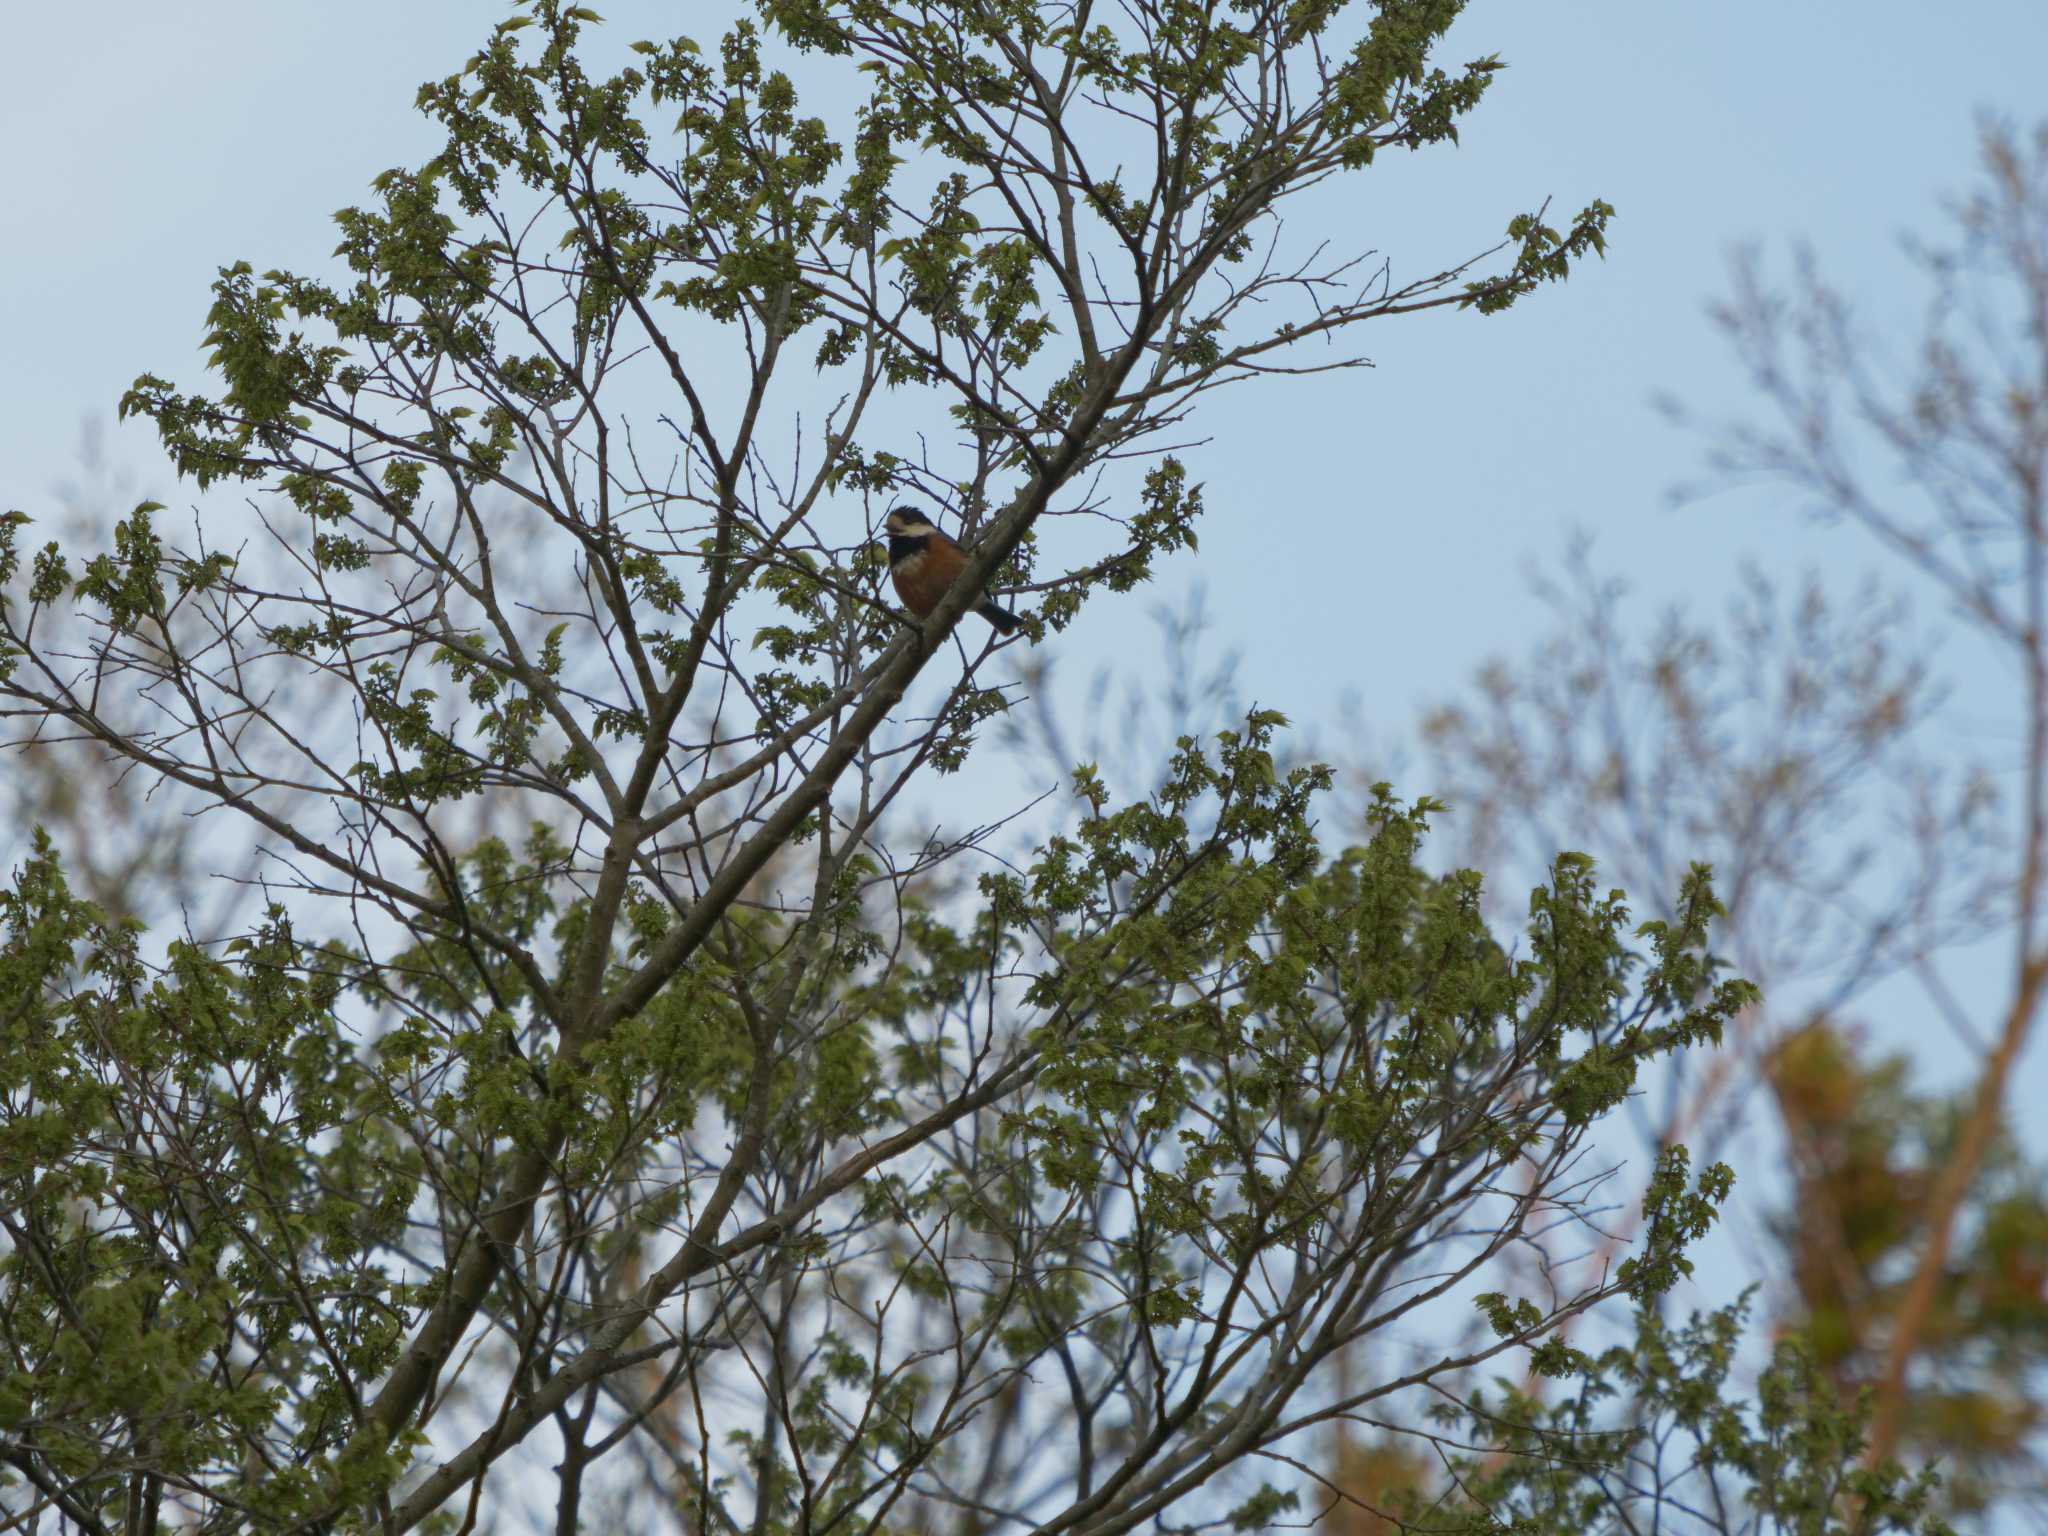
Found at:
<point>922,579</point>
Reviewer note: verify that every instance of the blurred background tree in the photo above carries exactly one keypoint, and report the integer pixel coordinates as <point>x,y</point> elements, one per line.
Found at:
<point>1873,851</point>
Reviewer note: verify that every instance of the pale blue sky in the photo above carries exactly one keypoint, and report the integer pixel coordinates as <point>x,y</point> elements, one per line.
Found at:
<point>1368,534</point>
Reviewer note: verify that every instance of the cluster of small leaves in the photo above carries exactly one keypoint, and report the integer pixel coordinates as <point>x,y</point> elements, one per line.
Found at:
<point>200,1184</point>
<point>1655,1433</point>
<point>1244,1037</point>
<point>1430,1008</point>
<point>1542,255</point>
<point>427,766</point>
<point>1169,506</point>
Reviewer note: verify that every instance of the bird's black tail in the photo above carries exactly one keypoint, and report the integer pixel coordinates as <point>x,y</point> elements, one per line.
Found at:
<point>1005,623</point>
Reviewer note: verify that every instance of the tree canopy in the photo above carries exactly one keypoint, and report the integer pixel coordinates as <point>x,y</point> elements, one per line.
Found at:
<point>608,1074</point>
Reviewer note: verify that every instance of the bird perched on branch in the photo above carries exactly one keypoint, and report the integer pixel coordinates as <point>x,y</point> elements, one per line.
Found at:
<point>923,563</point>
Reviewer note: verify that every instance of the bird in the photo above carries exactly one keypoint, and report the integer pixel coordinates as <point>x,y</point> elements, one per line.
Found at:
<point>923,563</point>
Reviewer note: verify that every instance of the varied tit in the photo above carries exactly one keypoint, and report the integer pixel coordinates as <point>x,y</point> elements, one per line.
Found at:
<point>923,563</point>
